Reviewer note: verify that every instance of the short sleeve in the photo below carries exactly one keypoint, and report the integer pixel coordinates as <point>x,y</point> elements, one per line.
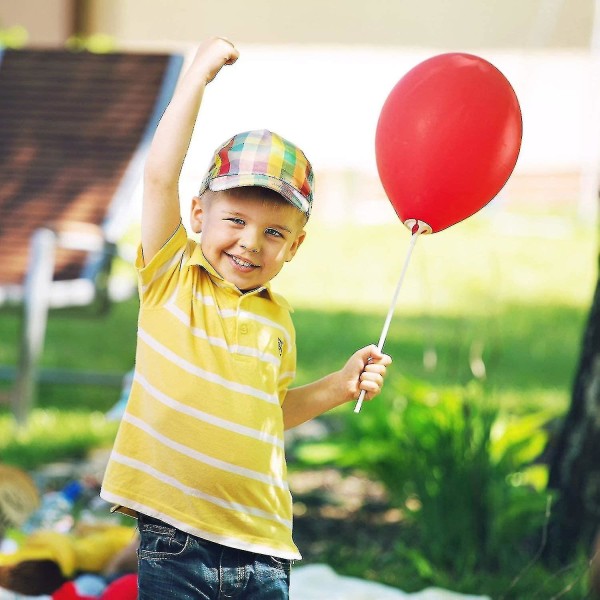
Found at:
<point>159,277</point>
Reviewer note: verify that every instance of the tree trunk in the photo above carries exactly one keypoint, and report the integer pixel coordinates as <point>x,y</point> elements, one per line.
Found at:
<point>575,456</point>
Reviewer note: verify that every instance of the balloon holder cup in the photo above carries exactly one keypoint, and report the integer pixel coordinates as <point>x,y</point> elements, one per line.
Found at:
<point>416,226</point>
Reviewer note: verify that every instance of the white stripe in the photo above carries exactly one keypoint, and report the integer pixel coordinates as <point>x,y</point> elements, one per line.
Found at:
<point>291,375</point>
<point>228,313</point>
<point>229,541</point>
<point>206,417</point>
<point>206,300</point>
<point>206,375</point>
<point>164,269</point>
<point>184,318</point>
<point>244,314</point>
<point>204,458</point>
<point>190,491</point>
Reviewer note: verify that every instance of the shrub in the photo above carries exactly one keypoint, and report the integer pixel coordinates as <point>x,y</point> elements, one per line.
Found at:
<point>462,472</point>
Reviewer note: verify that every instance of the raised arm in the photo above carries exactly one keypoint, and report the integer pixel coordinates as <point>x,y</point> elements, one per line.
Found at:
<point>160,208</point>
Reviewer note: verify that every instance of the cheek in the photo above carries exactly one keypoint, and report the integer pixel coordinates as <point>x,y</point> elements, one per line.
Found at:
<point>275,253</point>
<point>286,253</point>
<point>215,235</point>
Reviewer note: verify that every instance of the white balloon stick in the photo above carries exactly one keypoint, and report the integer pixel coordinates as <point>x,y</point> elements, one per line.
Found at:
<point>417,228</point>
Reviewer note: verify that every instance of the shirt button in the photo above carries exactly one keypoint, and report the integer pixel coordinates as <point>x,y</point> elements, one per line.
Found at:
<point>244,329</point>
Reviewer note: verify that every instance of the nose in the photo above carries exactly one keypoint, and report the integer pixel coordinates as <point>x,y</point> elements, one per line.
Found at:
<point>250,241</point>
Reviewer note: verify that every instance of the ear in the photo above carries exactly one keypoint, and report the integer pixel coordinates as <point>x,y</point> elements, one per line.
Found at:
<point>294,247</point>
<point>197,214</point>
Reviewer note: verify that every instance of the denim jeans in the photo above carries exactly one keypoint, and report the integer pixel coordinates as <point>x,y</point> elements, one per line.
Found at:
<point>177,565</point>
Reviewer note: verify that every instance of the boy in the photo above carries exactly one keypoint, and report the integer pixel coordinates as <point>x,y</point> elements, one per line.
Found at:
<point>199,456</point>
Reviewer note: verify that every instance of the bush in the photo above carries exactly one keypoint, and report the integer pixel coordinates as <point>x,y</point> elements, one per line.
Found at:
<point>464,474</point>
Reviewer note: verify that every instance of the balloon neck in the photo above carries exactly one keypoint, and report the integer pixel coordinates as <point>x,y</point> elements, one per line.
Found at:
<point>417,227</point>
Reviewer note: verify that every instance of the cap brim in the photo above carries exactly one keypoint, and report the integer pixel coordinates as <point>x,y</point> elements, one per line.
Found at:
<point>228,182</point>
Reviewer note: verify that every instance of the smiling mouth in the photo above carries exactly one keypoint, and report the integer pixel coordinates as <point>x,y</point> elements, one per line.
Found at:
<point>240,262</point>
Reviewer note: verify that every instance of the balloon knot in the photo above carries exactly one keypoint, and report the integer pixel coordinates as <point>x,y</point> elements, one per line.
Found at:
<point>417,227</point>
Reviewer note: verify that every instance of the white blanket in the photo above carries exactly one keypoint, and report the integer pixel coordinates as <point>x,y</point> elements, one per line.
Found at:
<point>320,582</point>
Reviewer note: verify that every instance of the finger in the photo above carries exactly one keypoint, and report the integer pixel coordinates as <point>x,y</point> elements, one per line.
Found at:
<point>382,359</point>
<point>374,378</point>
<point>370,388</point>
<point>220,37</point>
<point>233,53</point>
<point>372,354</point>
<point>375,368</point>
<point>364,355</point>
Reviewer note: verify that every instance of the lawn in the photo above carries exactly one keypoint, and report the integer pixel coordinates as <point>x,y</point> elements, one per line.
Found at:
<point>500,300</point>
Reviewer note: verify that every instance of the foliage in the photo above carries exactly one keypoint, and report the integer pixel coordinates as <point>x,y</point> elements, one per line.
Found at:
<point>13,37</point>
<point>17,36</point>
<point>52,435</point>
<point>463,473</point>
<point>98,43</point>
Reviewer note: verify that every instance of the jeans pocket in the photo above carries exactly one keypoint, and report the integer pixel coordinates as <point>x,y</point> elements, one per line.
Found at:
<point>159,540</point>
<point>279,564</point>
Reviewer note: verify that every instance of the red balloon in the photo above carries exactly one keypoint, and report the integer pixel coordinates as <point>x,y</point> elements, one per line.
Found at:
<point>447,139</point>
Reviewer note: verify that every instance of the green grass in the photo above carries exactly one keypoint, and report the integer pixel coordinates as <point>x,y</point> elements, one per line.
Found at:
<point>477,267</point>
<point>54,435</point>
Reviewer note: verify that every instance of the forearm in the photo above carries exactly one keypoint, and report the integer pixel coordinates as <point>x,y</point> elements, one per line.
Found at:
<point>161,210</point>
<point>160,206</point>
<point>308,401</point>
<point>174,132</point>
<point>364,370</point>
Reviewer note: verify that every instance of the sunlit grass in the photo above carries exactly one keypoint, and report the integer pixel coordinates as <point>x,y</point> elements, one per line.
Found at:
<point>52,434</point>
<point>477,266</point>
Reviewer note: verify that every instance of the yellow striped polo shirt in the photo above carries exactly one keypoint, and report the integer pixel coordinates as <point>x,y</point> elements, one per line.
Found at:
<point>200,445</point>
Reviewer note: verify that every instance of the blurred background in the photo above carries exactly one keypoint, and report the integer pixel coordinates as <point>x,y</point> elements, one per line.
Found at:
<point>320,71</point>
<point>477,470</point>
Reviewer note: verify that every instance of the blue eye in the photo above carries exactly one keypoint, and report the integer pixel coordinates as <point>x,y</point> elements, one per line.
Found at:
<point>236,221</point>
<point>273,232</point>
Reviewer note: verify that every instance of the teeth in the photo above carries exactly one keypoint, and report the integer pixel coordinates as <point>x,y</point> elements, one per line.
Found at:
<point>242,263</point>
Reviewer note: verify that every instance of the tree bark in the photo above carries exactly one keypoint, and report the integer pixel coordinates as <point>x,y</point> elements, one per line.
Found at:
<point>575,455</point>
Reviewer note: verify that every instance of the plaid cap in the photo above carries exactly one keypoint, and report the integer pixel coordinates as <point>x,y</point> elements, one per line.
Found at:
<point>265,159</point>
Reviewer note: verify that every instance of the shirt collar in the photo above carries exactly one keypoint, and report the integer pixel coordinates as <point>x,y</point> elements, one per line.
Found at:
<point>197,258</point>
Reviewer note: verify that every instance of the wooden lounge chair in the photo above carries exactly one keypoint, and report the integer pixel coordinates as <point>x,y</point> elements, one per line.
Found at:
<point>74,129</point>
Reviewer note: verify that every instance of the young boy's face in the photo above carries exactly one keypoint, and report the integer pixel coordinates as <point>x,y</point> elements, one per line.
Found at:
<point>247,237</point>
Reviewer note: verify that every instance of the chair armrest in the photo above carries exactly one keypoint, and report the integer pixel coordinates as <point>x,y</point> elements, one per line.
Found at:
<point>75,235</point>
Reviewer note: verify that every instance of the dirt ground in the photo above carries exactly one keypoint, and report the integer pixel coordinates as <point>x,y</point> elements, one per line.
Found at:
<point>341,515</point>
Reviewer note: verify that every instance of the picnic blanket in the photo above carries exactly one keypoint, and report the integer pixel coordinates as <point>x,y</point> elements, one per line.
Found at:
<point>321,582</point>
